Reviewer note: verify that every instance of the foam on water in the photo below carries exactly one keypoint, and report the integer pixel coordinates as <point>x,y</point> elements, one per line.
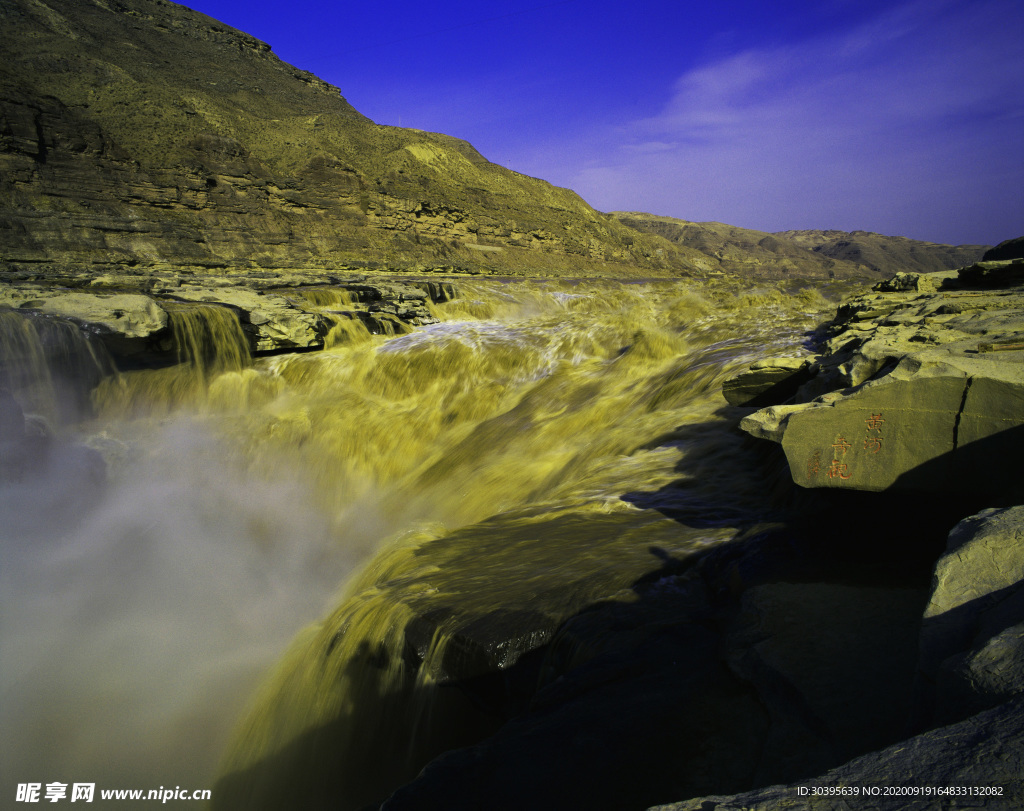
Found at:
<point>518,435</point>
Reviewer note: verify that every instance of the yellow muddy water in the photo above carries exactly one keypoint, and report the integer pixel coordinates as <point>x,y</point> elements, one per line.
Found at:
<point>542,448</point>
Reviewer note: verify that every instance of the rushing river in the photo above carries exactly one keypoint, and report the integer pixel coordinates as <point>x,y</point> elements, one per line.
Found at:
<point>266,580</point>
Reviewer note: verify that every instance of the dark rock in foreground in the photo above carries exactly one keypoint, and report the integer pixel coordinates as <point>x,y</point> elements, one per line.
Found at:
<point>817,654</point>
<point>969,695</point>
<point>977,763</point>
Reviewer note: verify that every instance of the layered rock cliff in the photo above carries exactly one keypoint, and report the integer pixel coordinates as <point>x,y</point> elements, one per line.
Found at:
<point>140,133</point>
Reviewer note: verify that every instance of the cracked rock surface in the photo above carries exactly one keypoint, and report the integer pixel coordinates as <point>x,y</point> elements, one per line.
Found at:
<point>920,386</point>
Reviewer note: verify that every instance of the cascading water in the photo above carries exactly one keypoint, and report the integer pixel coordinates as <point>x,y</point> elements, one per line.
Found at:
<point>502,469</point>
<point>51,364</point>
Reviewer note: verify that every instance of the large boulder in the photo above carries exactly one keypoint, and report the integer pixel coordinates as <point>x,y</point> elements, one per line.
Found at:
<point>919,385</point>
<point>767,382</point>
<point>972,637</point>
<point>954,425</point>
<point>128,324</point>
<point>833,664</point>
<point>271,322</point>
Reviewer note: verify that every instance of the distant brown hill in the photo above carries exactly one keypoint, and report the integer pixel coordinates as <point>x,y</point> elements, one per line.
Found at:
<point>886,254</point>
<point>804,253</point>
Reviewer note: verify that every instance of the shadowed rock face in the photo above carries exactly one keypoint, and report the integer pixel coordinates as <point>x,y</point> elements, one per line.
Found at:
<point>972,639</point>
<point>1009,249</point>
<point>967,697</point>
<point>144,134</point>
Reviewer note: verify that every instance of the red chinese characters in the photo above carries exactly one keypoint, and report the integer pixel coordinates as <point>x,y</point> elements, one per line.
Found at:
<point>873,438</point>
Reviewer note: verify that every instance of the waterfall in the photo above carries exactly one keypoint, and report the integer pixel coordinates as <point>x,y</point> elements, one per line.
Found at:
<point>323,569</point>
<point>49,365</point>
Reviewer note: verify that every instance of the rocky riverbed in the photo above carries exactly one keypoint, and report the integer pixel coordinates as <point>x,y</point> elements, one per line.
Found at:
<point>865,651</point>
<point>132,314</point>
<point>918,390</point>
<point>602,593</point>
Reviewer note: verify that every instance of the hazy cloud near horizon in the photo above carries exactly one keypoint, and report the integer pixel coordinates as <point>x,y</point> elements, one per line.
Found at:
<point>912,123</point>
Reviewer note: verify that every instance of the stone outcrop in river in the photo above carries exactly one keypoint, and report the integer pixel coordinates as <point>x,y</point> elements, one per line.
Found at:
<point>920,387</point>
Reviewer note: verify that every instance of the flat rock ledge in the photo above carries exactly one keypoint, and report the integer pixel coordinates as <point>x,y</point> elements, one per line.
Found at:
<point>920,386</point>
<point>132,315</point>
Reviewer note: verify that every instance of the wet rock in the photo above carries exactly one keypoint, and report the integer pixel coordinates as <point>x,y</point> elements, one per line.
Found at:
<point>767,382</point>
<point>271,321</point>
<point>653,713</point>
<point>483,644</point>
<point>278,312</point>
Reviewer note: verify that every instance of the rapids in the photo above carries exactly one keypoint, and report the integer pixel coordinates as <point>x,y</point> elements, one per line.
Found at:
<point>278,576</point>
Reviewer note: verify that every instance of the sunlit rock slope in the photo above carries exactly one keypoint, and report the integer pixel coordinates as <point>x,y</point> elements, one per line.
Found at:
<point>140,133</point>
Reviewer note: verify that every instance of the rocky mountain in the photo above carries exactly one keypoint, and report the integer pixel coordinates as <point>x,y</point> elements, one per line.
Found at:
<point>886,254</point>
<point>140,133</point>
<point>815,254</point>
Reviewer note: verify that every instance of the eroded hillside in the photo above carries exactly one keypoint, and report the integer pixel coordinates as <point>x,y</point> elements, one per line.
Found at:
<point>142,133</point>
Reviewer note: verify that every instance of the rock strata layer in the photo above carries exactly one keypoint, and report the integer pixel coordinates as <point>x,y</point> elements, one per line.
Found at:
<point>141,134</point>
<point>134,315</point>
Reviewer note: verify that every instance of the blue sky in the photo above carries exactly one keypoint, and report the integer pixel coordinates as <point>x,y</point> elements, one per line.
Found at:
<point>902,118</point>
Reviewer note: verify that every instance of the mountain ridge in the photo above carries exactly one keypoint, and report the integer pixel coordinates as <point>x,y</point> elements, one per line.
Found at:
<point>142,134</point>
<point>804,252</point>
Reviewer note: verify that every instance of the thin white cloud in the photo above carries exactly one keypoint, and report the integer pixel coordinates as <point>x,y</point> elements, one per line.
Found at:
<point>865,128</point>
